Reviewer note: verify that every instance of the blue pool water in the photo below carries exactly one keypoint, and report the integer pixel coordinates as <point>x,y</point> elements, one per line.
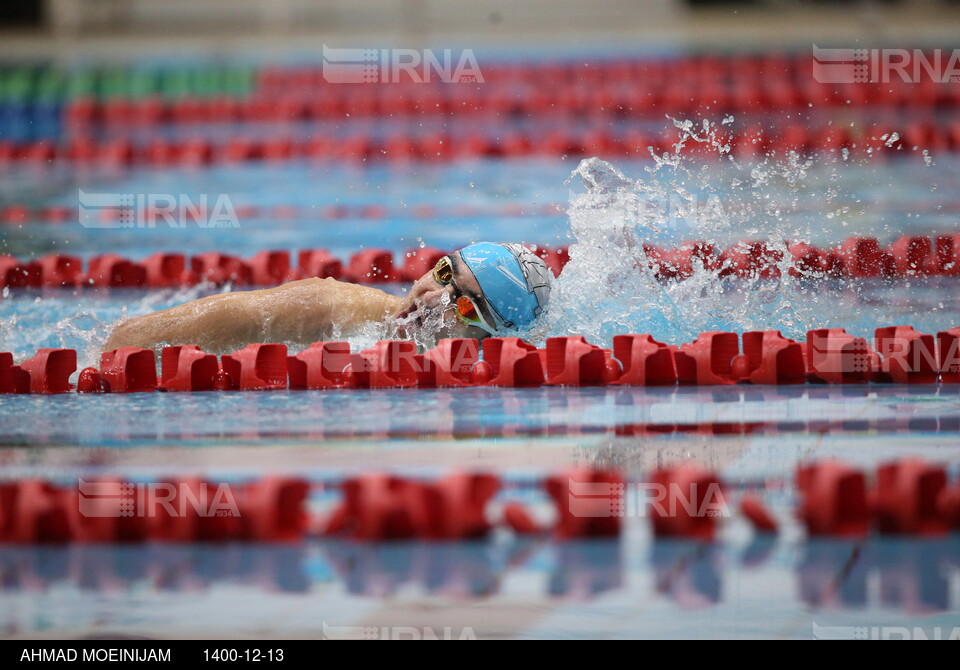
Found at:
<point>540,416</point>
<point>480,199</point>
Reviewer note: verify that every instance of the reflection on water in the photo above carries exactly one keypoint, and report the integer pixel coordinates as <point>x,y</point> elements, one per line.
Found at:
<point>311,416</point>
<point>688,573</point>
<point>912,575</point>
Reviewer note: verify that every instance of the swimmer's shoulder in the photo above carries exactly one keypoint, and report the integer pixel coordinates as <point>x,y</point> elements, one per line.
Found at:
<point>311,283</point>
<point>316,281</point>
<point>326,286</point>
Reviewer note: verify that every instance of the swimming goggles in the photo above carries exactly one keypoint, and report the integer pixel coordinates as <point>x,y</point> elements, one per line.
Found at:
<point>467,310</point>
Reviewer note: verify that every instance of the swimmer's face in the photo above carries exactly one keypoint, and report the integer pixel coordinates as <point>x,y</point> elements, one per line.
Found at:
<point>426,298</point>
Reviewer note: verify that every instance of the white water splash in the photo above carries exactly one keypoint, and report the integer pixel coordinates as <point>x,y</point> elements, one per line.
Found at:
<point>609,285</point>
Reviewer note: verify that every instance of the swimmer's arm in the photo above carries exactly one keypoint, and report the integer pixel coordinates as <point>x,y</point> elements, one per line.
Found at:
<point>298,312</point>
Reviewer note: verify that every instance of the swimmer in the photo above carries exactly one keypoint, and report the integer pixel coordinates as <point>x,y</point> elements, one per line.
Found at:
<point>483,289</point>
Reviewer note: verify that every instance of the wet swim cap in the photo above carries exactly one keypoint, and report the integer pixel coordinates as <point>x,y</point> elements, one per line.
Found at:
<point>515,281</point>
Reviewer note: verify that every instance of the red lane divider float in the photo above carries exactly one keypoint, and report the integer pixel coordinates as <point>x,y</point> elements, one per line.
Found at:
<point>906,356</point>
<point>708,360</point>
<point>111,270</point>
<point>644,361</point>
<point>835,357</point>
<point>256,367</point>
<point>770,358</point>
<point>321,366</point>
<point>589,503</point>
<point>383,507</point>
<point>450,364</point>
<point>509,361</point>
<point>572,361</point>
<point>187,368</point>
<point>47,372</point>
<point>829,356</point>
<point>688,504</point>
<point>948,356</point>
<point>834,500</point>
<point>387,364</point>
<point>129,370</point>
<point>907,498</point>
<point>581,137</point>
<point>682,501</point>
<point>853,258</point>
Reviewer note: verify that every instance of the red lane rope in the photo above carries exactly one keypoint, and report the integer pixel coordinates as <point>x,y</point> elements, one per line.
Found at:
<point>898,354</point>
<point>855,257</point>
<point>871,141</point>
<point>904,497</point>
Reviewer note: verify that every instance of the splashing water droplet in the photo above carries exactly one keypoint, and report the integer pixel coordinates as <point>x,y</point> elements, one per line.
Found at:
<point>611,283</point>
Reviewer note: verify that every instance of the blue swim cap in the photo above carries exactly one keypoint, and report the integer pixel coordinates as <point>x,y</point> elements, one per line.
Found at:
<point>515,282</point>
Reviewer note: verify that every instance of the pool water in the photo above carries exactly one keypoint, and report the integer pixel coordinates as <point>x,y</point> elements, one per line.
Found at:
<point>539,416</point>
<point>342,207</point>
